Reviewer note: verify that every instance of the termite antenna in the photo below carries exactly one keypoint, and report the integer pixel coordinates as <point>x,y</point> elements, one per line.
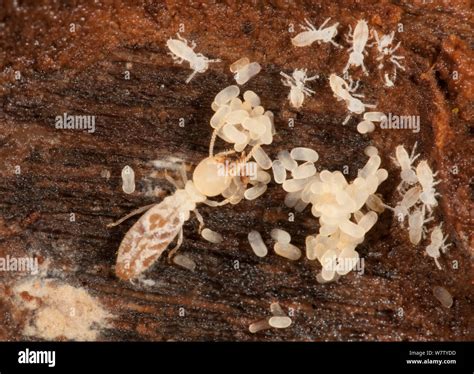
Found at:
<point>213,140</point>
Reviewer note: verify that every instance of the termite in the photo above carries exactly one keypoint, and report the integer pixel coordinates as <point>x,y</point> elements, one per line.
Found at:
<point>410,198</point>
<point>426,179</point>
<point>344,91</point>
<point>383,47</point>
<point>437,244</point>
<point>151,235</point>
<point>311,34</point>
<point>405,161</point>
<point>181,51</point>
<point>359,41</point>
<point>297,83</point>
<point>416,222</point>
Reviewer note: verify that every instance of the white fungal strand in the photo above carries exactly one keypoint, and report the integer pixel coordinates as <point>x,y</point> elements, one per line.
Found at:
<point>279,322</point>
<point>443,296</point>
<point>280,236</point>
<point>185,262</point>
<point>279,172</point>
<point>128,180</point>
<point>304,154</point>
<point>257,244</point>
<point>288,251</point>
<point>212,236</point>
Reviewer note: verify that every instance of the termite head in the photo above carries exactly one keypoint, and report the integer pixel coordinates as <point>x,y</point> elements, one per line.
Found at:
<point>199,64</point>
<point>356,106</point>
<point>210,176</point>
<point>299,74</point>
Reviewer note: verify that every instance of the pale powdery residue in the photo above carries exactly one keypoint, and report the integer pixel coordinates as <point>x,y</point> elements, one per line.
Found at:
<point>60,311</point>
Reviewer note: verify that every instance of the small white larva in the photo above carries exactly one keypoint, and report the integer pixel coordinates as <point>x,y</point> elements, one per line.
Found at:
<point>365,126</point>
<point>304,154</point>
<point>280,236</point>
<point>288,251</point>
<point>252,98</point>
<point>211,236</point>
<point>374,116</point>
<point>279,322</point>
<point>262,158</point>
<point>443,296</point>
<point>185,262</point>
<point>293,185</point>
<point>370,151</point>
<point>276,309</point>
<point>257,244</point>
<point>279,172</point>
<point>255,191</point>
<point>226,95</point>
<point>288,162</point>
<point>247,72</point>
<point>259,326</point>
<point>304,171</point>
<point>128,180</point>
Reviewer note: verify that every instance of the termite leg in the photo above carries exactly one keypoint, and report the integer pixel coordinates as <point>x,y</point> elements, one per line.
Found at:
<point>191,76</point>
<point>178,244</point>
<point>200,220</point>
<point>131,214</point>
<point>171,180</point>
<point>347,119</point>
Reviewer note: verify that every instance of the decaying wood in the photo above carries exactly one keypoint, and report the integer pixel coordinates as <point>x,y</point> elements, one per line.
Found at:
<point>138,121</point>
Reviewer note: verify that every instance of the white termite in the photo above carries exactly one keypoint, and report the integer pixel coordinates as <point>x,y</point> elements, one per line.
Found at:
<point>311,34</point>
<point>426,179</point>
<point>437,244</point>
<point>410,198</point>
<point>128,180</point>
<point>384,47</point>
<point>297,84</point>
<point>416,221</point>
<point>181,51</point>
<point>405,161</point>
<point>345,91</point>
<point>359,41</point>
